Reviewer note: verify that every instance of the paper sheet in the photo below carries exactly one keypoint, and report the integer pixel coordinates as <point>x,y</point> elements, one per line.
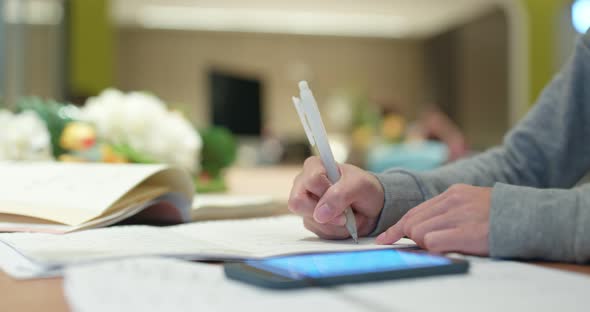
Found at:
<point>490,286</point>
<point>172,285</point>
<point>206,240</point>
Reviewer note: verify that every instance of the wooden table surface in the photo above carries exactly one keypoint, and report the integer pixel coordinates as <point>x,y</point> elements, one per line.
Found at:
<point>47,294</point>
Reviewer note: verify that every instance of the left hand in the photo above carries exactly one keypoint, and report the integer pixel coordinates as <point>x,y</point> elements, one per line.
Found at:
<point>457,220</point>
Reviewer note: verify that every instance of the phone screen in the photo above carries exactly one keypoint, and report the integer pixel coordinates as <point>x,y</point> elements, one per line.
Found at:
<point>347,263</point>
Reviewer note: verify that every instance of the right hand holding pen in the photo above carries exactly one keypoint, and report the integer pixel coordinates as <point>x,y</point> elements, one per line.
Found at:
<point>322,204</point>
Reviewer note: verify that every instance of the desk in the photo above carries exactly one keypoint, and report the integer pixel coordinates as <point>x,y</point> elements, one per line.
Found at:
<point>47,294</point>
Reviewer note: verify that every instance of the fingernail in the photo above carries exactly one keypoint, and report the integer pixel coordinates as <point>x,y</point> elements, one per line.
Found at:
<point>380,238</point>
<point>323,214</point>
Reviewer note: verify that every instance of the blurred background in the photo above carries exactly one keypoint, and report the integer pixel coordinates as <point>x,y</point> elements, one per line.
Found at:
<point>399,83</point>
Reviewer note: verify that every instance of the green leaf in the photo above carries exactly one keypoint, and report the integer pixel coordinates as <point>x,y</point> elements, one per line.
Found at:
<point>52,114</point>
<point>132,154</point>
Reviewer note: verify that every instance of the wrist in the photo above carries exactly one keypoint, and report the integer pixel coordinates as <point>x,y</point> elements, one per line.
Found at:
<point>401,192</point>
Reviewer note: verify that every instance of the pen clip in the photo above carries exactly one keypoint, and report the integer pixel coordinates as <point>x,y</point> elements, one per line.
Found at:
<point>303,117</point>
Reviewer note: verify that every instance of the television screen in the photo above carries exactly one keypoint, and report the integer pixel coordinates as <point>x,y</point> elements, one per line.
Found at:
<point>236,103</point>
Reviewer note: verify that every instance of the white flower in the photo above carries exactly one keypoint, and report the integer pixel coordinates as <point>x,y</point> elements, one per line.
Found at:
<point>143,122</point>
<point>24,136</point>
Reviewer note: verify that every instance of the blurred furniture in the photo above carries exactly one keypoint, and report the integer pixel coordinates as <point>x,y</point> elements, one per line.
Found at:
<point>273,181</point>
<point>415,156</point>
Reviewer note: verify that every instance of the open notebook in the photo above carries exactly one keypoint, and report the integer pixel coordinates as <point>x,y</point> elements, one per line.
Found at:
<point>57,197</point>
<point>26,255</point>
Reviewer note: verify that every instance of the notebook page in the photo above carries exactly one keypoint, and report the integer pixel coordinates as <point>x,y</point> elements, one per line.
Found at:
<point>171,285</point>
<point>209,240</point>
<point>69,193</point>
<point>490,286</point>
<point>108,243</point>
<point>273,236</point>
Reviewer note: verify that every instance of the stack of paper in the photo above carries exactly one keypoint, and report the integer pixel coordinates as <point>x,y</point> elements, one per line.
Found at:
<point>172,285</point>
<point>36,254</point>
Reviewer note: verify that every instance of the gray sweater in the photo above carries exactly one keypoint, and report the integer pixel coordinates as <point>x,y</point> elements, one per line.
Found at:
<point>537,211</point>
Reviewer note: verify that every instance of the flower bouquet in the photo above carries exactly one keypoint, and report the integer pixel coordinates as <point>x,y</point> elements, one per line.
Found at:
<point>134,127</point>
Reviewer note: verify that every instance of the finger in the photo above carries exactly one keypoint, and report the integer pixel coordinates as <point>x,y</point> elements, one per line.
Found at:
<point>297,187</point>
<point>427,210</point>
<point>326,231</point>
<point>437,223</point>
<point>314,176</point>
<point>396,232</point>
<point>302,204</point>
<point>315,180</point>
<point>469,239</point>
<point>339,220</point>
<point>365,225</point>
<point>336,199</point>
<point>424,205</point>
<point>362,223</point>
<point>299,199</point>
<point>332,204</point>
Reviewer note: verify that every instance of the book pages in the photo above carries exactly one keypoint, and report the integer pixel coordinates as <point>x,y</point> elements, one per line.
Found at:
<point>218,240</point>
<point>73,193</point>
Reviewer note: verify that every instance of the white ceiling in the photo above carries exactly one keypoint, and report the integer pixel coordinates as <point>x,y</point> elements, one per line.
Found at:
<point>374,18</point>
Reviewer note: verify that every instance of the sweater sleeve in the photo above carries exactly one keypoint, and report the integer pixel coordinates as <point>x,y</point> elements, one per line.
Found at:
<point>548,150</point>
<point>532,223</point>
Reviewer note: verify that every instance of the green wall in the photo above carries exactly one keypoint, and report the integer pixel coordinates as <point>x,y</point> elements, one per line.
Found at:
<point>543,18</point>
<point>91,47</point>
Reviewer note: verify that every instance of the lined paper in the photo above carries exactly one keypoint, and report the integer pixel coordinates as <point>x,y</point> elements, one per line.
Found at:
<point>219,240</point>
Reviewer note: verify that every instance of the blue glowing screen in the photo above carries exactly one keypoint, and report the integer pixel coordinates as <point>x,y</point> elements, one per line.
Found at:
<point>346,263</point>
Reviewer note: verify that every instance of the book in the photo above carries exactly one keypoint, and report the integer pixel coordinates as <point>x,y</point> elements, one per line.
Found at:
<point>32,255</point>
<point>57,197</point>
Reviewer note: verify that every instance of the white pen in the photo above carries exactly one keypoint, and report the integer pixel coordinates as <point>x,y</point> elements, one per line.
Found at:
<point>311,120</point>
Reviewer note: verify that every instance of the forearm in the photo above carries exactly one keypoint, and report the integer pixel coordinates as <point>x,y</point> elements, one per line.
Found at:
<point>548,149</point>
<point>404,190</point>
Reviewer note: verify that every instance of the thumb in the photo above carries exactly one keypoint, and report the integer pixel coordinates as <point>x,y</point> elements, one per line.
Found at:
<point>333,203</point>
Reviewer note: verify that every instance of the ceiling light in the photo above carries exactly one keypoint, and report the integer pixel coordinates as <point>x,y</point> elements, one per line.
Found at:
<point>581,15</point>
<point>271,21</point>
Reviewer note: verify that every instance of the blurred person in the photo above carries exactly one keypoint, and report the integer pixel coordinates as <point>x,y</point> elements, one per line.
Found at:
<point>432,124</point>
<point>436,125</point>
<point>518,200</point>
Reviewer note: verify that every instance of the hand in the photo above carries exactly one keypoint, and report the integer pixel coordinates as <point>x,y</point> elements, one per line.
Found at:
<point>322,204</point>
<point>454,221</point>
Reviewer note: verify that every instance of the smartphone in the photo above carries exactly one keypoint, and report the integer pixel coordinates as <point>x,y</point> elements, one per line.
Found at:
<point>334,268</point>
